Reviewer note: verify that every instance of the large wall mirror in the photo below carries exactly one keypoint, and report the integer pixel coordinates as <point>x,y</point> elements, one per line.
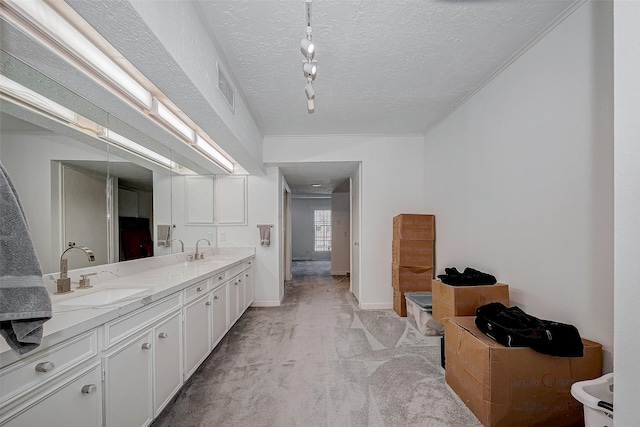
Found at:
<point>80,185</point>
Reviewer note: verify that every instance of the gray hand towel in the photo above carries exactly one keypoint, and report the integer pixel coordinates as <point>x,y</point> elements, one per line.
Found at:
<point>265,234</point>
<point>25,303</point>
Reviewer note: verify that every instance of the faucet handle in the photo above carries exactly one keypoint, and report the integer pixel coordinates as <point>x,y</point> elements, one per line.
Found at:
<point>84,282</point>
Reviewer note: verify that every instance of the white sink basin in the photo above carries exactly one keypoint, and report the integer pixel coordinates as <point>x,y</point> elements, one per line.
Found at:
<point>103,297</point>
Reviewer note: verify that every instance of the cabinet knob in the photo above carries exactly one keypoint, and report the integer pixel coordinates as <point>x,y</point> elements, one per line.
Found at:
<point>89,388</point>
<point>162,335</point>
<point>208,303</point>
<point>45,366</point>
<point>199,289</point>
<point>249,262</point>
<point>146,346</point>
<point>220,278</point>
<point>216,297</point>
<point>240,280</point>
<point>246,275</point>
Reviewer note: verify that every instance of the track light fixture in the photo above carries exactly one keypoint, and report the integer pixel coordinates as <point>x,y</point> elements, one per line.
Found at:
<point>309,69</point>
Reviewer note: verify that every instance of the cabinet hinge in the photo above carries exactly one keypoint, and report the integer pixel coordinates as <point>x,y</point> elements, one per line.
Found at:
<point>103,375</point>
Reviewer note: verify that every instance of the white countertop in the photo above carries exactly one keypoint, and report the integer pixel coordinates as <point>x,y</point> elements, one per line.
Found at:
<point>156,278</point>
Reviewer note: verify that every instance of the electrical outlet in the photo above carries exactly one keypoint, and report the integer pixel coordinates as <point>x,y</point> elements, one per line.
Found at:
<point>223,237</point>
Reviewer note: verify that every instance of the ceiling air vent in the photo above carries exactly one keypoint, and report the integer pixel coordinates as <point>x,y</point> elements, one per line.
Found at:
<point>225,88</point>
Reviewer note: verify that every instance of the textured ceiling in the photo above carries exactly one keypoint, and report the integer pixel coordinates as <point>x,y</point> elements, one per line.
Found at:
<point>383,66</point>
<point>318,178</point>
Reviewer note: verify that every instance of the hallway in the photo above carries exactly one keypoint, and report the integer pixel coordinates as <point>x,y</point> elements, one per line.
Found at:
<point>318,360</point>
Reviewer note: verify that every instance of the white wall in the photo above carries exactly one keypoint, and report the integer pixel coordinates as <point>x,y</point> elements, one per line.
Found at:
<point>302,227</point>
<point>391,183</point>
<point>340,240</point>
<point>520,177</point>
<point>263,208</point>
<point>627,211</point>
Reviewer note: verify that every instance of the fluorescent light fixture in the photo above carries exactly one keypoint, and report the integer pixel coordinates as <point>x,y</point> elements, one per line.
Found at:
<point>213,154</point>
<point>26,96</point>
<point>308,89</point>
<point>316,185</point>
<point>135,148</point>
<point>310,106</point>
<point>57,29</point>
<point>310,70</point>
<point>159,110</point>
<point>307,48</point>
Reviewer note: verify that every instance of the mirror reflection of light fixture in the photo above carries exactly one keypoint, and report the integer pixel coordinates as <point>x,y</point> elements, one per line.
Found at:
<point>26,97</point>
<point>310,106</point>
<point>213,154</point>
<point>163,113</point>
<point>68,40</point>
<point>134,148</point>
<point>310,70</point>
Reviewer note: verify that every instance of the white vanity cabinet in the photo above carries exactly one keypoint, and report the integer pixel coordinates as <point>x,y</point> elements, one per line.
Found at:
<point>128,383</point>
<point>167,371</point>
<point>197,328</point>
<point>60,385</point>
<point>142,362</point>
<point>248,286</point>
<point>219,324</point>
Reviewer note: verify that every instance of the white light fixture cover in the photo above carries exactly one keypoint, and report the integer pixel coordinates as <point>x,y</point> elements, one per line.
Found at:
<point>214,154</point>
<point>307,48</point>
<point>159,110</point>
<point>310,70</point>
<point>133,147</point>
<point>33,99</point>
<point>57,29</point>
<point>310,106</point>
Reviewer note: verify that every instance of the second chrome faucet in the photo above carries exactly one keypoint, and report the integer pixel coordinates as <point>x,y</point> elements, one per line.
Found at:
<point>199,255</point>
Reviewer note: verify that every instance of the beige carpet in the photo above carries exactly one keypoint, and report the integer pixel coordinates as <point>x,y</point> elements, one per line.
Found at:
<point>318,360</point>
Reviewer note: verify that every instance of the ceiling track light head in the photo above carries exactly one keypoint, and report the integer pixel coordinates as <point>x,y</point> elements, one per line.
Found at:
<point>307,48</point>
<point>310,106</point>
<point>310,70</point>
<point>308,89</point>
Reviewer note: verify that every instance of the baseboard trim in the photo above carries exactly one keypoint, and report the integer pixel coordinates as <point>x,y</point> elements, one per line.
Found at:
<point>339,273</point>
<point>376,306</point>
<point>265,304</point>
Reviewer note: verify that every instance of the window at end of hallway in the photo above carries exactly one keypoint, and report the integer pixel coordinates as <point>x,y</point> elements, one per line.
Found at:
<point>322,224</point>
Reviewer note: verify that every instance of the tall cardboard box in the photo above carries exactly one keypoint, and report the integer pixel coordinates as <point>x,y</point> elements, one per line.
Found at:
<point>506,387</point>
<point>414,227</point>
<point>412,253</point>
<point>411,279</point>
<point>399,303</point>
<point>452,301</point>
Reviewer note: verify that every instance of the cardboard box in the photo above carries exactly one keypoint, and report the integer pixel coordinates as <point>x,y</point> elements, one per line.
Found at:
<point>414,227</point>
<point>411,279</point>
<point>412,253</point>
<point>452,301</point>
<point>399,303</point>
<point>509,387</point>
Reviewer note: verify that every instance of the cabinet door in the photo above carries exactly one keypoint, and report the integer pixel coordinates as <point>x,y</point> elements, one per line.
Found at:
<point>128,379</point>
<point>197,333</point>
<point>74,403</point>
<point>233,300</point>
<point>168,361</point>
<point>248,287</point>
<point>219,318</point>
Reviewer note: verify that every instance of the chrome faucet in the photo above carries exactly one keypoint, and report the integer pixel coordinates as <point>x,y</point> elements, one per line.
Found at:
<point>63,284</point>
<point>181,244</point>
<point>197,255</point>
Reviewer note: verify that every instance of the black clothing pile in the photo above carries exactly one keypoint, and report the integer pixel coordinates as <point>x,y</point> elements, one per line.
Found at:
<point>468,277</point>
<point>512,327</point>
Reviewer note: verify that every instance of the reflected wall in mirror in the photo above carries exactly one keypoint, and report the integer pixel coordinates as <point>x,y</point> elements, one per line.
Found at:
<point>77,187</point>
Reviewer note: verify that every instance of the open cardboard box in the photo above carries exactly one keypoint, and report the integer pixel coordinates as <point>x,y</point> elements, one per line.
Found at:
<point>506,387</point>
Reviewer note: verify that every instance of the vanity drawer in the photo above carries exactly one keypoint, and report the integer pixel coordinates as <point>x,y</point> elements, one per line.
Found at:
<point>117,330</point>
<point>236,269</point>
<point>38,369</point>
<point>196,290</point>
<point>218,279</point>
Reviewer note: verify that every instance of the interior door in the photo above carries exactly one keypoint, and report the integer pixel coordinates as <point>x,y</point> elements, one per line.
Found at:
<point>355,186</point>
